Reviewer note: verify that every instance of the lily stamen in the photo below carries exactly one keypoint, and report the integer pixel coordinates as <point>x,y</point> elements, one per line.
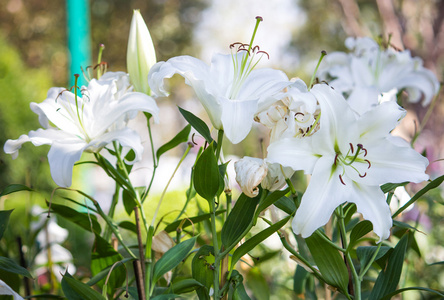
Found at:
<point>342,181</point>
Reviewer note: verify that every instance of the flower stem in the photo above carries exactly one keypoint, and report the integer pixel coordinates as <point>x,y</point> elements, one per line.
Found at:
<point>323,53</point>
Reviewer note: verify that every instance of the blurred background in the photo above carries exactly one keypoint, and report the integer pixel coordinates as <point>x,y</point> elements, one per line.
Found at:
<point>35,55</point>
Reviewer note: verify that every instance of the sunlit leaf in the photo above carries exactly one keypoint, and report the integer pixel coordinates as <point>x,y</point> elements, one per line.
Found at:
<point>12,188</point>
<point>9,265</point>
<point>197,124</point>
<point>181,137</point>
<point>206,175</point>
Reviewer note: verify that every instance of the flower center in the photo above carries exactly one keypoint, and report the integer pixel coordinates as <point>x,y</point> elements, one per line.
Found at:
<point>351,158</point>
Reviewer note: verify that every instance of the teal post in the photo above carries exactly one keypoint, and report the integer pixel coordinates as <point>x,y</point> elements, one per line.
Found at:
<point>79,38</point>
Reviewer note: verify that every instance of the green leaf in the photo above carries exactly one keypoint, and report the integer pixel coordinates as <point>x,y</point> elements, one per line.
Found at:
<point>197,124</point>
<point>391,186</point>
<point>434,184</point>
<point>201,270</point>
<point>360,229</point>
<point>128,202</point>
<point>4,220</point>
<point>102,274</point>
<point>206,176</point>
<point>239,219</point>
<point>437,263</point>
<point>128,226</point>
<point>172,258</point>
<point>166,297</point>
<point>404,225</point>
<point>299,280</point>
<point>190,221</point>
<point>236,288</point>
<point>129,157</point>
<point>328,260</point>
<point>389,296</point>
<point>222,172</point>
<point>77,290</point>
<point>257,283</point>
<point>12,188</point>
<point>9,265</point>
<point>256,240</point>
<point>84,220</point>
<point>271,199</point>
<point>104,257</point>
<point>388,279</point>
<point>366,253</point>
<point>286,204</point>
<point>44,296</point>
<point>181,137</point>
<point>185,286</point>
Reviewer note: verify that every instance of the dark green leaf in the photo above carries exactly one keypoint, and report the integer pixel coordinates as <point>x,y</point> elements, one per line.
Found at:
<point>404,225</point>
<point>128,226</point>
<point>84,220</point>
<point>12,188</point>
<point>189,221</point>
<point>256,240</point>
<point>172,258</point>
<point>102,274</point>
<point>222,171</point>
<point>388,279</point>
<point>181,137</point>
<point>239,219</point>
<point>9,265</point>
<point>206,174</point>
<point>201,268</point>
<point>257,283</point>
<point>271,199</point>
<point>434,184</point>
<point>389,296</point>
<point>391,186</point>
<point>103,257</point>
<point>128,202</point>
<point>197,124</point>
<point>4,220</point>
<point>437,263</point>
<point>237,289</point>
<point>360,229</point>
<point>129,157</point>
<point>299,280</point>
<point>77,290</point>
<point>166,297</point>
<point>286,204</point>
<point>366,253</point>
<point>44,296</point>
<point>330,263</point>
<point>185,286</point>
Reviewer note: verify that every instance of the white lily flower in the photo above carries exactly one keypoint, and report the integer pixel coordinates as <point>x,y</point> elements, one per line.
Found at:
<point>251,171</point>
<point>140,56</point>
<point>349,157</point>
<point>369,72</point>
<point>229,89</point>
<point>86,120</point>
<point>7,290</point>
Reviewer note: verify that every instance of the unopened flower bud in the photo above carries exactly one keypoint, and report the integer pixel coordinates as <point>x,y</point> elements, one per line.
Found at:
<point>141,55</point>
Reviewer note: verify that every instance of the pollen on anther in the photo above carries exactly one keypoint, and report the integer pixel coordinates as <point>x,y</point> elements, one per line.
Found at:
<point>351,147</point>
<point>369,164</point>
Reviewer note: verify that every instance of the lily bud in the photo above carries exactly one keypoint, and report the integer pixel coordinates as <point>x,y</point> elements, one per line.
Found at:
<point>141,55</point>
<point>249,173</point>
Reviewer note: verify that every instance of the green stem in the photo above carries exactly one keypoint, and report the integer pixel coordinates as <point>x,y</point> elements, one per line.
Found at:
<point>323,53</point>
<point>367,267</point>
<point>356,278</point>
<point>107,234</point>
<point>220,138</point>
<point>217,255</point>
<point>155,163</point>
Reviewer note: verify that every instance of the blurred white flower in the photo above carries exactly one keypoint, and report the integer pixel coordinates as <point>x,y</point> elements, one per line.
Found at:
<point>370,71</point>
<point>86,120</point>
<point>349,157</point>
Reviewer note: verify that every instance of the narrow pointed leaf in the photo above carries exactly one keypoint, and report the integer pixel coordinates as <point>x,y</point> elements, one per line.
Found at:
<point>389,296</point>
<point>202,272</point>
<point>185,286</point>
<point>239,219</point>
<point>12,188</point>
<point>256,240</point>
<point>9,265</point>
<point>286,204</point>
<point>84,220</point>
<point>271,199</point>
<point>102,274</point>
<point>181,137</point>
<point>197,124</point>
<point>360,229</point>
<point>391,186</point>
<point>330,263</point>
<point>434,184</point>
<point>206,175</point>
<point>366,253</point>
<point>388,279</point>
<point>128,202</point>
<point>4,220</point>
<point>189,221</point>
<point>172,258</point>
<point>128,226</point>
<point>77,290</point>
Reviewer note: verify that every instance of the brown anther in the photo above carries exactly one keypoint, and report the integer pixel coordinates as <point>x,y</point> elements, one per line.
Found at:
<point>263,52</point>
<point>369,164</point>
<point>351,147</point>
<point>340,178</point>
<point>362,148</point>
<point>336,158</point>
<point>192,139</point>
<point>259,18</point>
<point>362,176</point>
